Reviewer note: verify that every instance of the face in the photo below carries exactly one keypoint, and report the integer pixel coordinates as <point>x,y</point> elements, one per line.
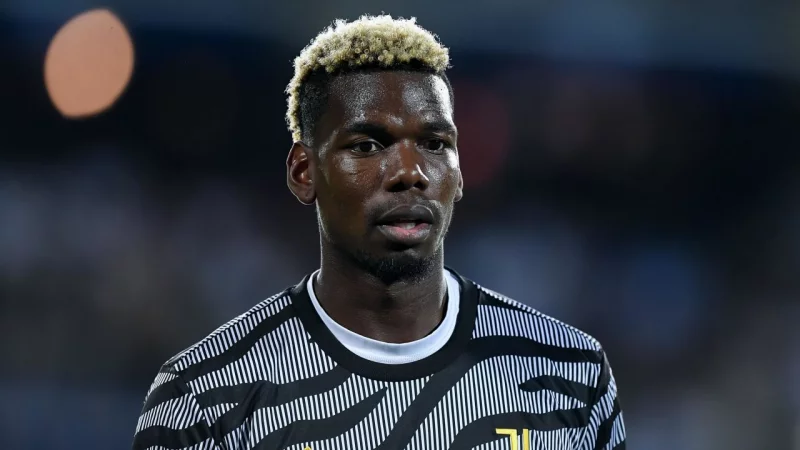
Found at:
<point>383,172</point>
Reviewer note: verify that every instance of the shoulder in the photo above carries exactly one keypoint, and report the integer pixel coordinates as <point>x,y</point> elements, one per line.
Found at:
<point>499,315</point>
<point>242,332</point>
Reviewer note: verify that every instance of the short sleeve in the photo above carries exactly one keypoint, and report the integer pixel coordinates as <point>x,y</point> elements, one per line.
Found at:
<point>606,429</point>
<point>171,417</point>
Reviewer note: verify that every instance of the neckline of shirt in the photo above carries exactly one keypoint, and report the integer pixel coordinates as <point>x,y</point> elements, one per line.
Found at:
<point>393,353</point>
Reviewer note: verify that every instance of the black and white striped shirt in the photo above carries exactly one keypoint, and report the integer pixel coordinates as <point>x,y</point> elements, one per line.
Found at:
<point>276,377</point>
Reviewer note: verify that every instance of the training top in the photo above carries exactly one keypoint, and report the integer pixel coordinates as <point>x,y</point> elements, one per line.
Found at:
<point>495,374</point>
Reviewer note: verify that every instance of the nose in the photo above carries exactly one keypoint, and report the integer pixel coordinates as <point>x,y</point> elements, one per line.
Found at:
<point>404,169</point>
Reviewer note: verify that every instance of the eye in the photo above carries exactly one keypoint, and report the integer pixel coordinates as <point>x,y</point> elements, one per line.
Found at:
<point>435,145</point>
<point>366,147</point>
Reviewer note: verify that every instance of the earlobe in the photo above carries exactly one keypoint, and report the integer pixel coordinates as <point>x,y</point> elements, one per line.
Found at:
<point>299,169</point>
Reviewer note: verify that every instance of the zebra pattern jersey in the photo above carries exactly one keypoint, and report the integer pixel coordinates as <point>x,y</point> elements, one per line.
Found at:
<point>274,378</point>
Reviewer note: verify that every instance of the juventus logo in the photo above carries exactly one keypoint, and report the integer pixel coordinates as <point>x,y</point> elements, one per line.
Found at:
<point>513,436</point>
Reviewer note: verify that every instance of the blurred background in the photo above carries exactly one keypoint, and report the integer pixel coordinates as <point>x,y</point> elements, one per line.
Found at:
<point>631,168</point>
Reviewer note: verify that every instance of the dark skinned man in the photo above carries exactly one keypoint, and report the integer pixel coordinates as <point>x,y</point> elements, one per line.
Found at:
<point>383,347</point>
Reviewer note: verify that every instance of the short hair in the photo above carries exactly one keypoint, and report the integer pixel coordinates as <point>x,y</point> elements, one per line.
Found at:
<point>369,43</point>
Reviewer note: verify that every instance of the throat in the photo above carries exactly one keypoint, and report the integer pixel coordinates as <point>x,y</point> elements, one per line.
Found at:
<point>396,314</point>
<point>398,326</point>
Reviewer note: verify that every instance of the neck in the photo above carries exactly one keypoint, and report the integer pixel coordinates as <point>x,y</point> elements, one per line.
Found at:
<point>403,311</point>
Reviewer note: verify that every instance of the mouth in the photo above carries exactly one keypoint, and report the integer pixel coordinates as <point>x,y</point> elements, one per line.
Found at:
<point>404,224</point>
<point>406,233</point>
<point>408,225</point>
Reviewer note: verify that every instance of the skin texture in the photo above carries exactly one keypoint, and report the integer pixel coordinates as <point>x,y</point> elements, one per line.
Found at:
<point>386,139</point>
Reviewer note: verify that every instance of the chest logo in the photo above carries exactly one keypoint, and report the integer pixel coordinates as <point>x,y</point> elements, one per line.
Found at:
<point>513,436</point>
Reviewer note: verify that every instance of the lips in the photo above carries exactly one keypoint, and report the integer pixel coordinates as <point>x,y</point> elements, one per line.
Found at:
<point>407,224</point>
<point>407,214</point>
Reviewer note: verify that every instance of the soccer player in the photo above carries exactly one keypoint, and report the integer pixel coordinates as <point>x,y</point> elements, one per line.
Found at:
<point>383,347</point>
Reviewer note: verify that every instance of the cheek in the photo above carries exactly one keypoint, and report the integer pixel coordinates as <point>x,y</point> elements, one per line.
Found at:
<point>340,174</point>
<point>350,170</point>
<point>452,160</point>
<point>346,183</point>
<point>449,173</point>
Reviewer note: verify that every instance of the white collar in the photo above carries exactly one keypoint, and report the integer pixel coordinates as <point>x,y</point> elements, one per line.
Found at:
<point>389,353</point>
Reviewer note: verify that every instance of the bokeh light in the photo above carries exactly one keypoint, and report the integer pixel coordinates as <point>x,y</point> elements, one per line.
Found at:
<point>88,64</point>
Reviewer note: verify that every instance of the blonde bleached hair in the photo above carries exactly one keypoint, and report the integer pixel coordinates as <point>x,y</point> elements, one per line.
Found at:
<point>371,41</point>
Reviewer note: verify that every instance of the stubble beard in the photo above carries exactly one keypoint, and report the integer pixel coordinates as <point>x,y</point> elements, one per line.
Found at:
<point>399,267</point>
<point>396,266</point>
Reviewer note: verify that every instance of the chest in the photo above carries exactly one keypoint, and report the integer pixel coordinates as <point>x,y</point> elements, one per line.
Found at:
<point>477,411</point>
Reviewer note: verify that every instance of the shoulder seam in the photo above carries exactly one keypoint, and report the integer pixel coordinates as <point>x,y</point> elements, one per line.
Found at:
<point>185,353</point>
<point>200,408</point>
<point>537,313</point>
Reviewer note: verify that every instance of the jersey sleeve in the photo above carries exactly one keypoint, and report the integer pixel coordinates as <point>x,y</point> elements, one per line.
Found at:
<point>606,426</point>
<point>171,417</point>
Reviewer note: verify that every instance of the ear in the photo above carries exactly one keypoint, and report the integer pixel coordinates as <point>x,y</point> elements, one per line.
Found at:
<point>299,170</point>
<point>460,190</point>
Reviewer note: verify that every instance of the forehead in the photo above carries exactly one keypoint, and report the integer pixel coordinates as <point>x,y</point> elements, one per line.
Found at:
<point>404,98</point>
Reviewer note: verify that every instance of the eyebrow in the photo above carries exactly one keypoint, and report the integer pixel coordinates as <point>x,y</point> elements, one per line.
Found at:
<point>439,126</point>
<point>379,131</point>
<point>374,130</point>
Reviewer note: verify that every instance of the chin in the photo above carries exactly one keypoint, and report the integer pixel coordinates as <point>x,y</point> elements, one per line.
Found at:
<point>407,265</point>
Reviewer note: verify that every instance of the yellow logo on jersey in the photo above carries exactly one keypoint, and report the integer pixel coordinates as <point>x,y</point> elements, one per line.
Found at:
<point>513,436</point>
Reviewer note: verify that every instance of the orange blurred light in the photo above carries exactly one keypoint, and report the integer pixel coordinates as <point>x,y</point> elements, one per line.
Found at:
<point>88,64</point>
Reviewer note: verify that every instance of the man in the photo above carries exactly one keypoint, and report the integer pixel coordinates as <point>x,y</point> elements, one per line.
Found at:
<point>382,347</point>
